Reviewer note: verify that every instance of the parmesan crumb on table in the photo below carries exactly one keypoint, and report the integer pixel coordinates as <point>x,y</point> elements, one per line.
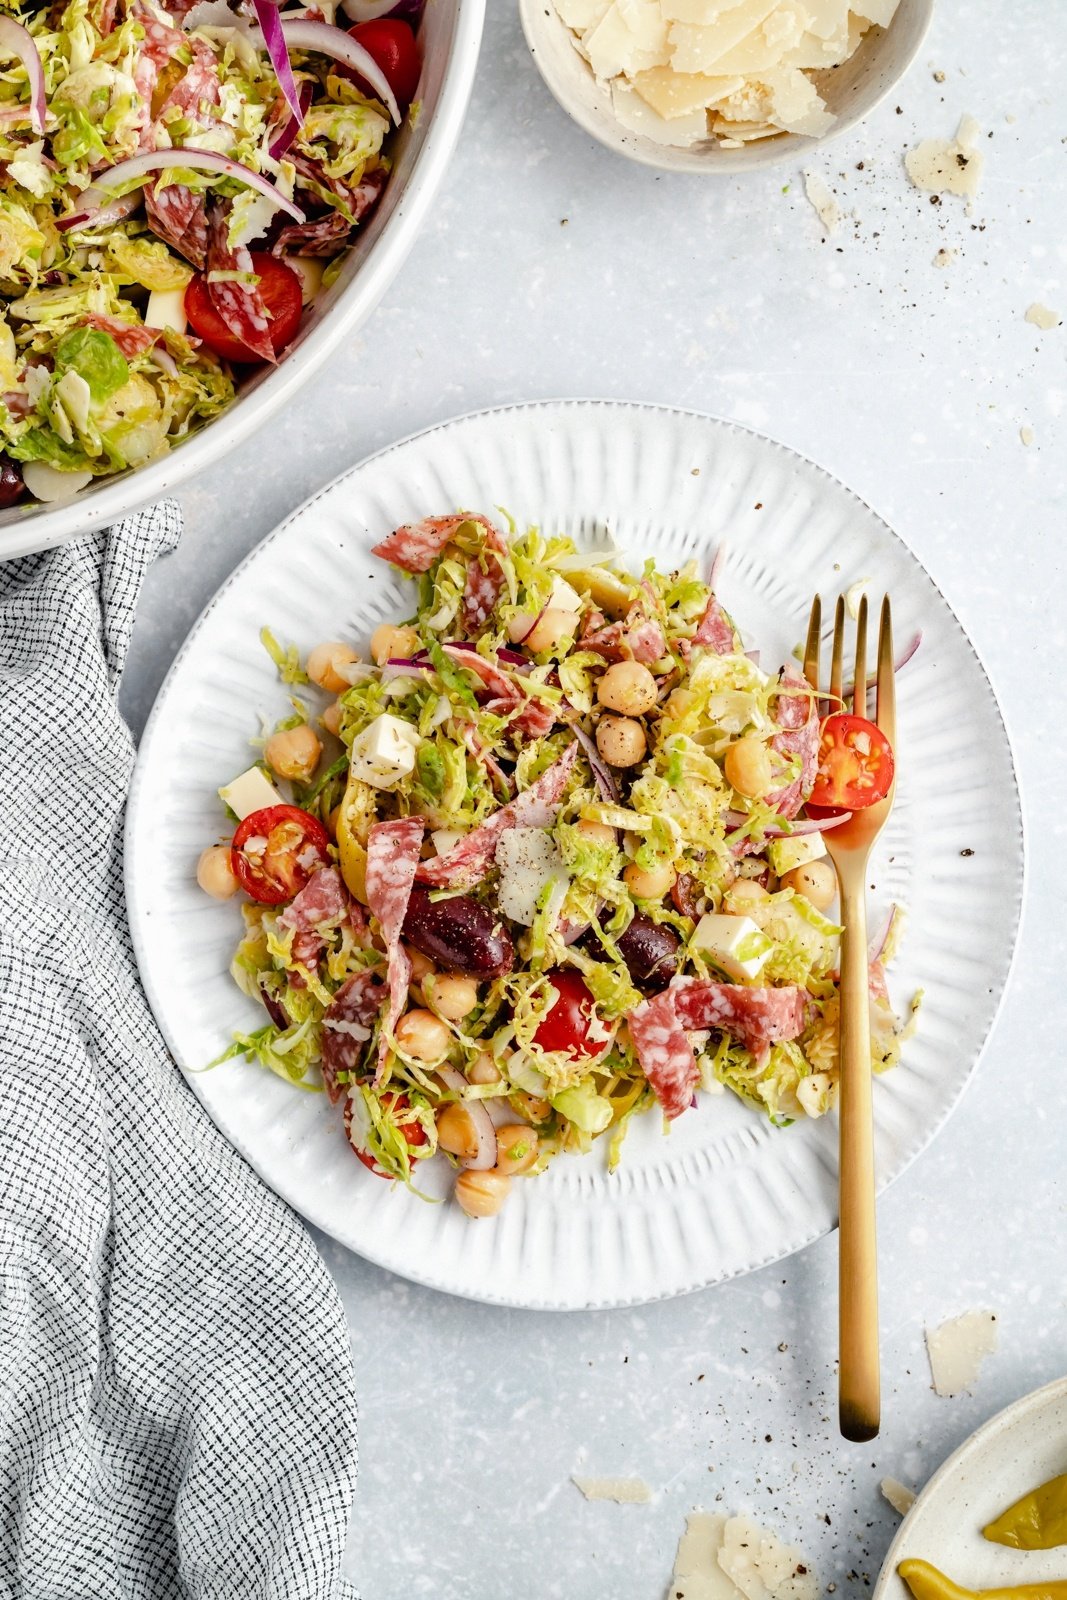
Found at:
<point>1026,434</point>
<point>957,1349</point>
<point>900,1497</point>
<point>623,1491</point>
<point>829,212</point>
<point>945,257</point>
<point>1042,317</point>
<point>949,166</point>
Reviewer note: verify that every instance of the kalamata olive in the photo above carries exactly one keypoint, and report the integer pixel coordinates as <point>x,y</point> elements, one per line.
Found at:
<point>650,951</point>
<point>11,484</point>
<point>459,934</point>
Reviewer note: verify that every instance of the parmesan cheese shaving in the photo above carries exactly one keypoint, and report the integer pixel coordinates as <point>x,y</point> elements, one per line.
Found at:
<point>949,166</point>
<point>957,1349</point>
<point>900,1497</point>
<point>1042,317</point>
<point>623,1491</point>
<point>733,70</point>
<point>1026,434</point>
<point>827,207</point>
<point>761,1566</point>
<point>697,1574</point>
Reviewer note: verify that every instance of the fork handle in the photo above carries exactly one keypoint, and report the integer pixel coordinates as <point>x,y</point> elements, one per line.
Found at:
<point>859,1402</point>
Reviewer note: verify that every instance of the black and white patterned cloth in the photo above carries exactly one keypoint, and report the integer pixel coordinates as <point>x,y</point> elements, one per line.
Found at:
<point>177,1411</point>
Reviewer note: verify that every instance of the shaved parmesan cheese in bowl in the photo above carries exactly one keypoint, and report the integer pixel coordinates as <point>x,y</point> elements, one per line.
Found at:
<point>721,85</point>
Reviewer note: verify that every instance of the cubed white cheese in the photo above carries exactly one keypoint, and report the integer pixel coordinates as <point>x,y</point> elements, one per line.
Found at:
<point>445,838</point>
<point>528,859</point>
<point>785,854</point>
<point>385,751</point>
<point>735,944</point>
<point>563,597</point>
<point>166,309</point>
<point>252,791</point>
<point>309,270</point>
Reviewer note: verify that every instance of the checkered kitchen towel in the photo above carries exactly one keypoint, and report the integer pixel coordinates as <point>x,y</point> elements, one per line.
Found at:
<point>176,1392</point>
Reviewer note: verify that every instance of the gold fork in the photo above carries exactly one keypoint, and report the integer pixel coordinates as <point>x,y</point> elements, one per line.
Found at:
<point>849,847</point>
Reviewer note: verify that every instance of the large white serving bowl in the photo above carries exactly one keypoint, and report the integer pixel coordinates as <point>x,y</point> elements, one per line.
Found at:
<point>850,91</point>
<point>450,36</point>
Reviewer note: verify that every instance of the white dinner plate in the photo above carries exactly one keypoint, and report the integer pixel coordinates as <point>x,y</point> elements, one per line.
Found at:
<point>724,1192</point>
<point>1016,1450</point>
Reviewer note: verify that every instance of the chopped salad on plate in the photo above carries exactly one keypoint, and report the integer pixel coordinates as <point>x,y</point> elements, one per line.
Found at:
<point>177,181</point>
<point>545,862</point>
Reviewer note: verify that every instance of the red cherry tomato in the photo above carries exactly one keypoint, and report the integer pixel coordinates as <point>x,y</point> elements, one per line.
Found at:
<point>392,45</point>
<point>855,764</point>
<point>568,1024</point>
<point>280,287</point>
<point>276,850</point>
<point>395,1105</point>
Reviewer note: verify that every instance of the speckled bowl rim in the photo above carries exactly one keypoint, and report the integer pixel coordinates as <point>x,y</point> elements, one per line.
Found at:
<point>1015,910</point>
<point>1036,1400</point>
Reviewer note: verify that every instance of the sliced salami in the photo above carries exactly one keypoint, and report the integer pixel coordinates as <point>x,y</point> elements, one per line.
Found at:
<point>354,201</point>
<point>197,87</point>
<point>798,718</point>
<point>638,637</point>
<point>131,337</point>
<point>392,857</point>
<point>715,630</point>
<point>346,1027</point>
<point>492,677</point>
<point>240,306</point>
<point>416,546</point>
<point>756,1017</point>
<point>485,580</point>
<point>469,861</point>
<point>321,906</point>
<point>178,216</point>
<point>323,237</point>
<point>665,1053</point>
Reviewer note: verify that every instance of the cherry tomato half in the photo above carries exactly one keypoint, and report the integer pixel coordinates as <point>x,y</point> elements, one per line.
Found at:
<point>855,764</point>
<point>568,1024</point>
<point>280,288</point>
<point>276,850</point>
<point>395,1105</point>
<point>392,45</point>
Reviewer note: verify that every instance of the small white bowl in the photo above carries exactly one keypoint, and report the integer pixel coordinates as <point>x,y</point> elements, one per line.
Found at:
<point>850,91</point>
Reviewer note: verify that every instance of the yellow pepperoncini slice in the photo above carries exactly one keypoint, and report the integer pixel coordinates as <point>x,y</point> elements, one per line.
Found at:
<point>355,817</point>
<point>1036,1522</point>
<point>926,1583</point>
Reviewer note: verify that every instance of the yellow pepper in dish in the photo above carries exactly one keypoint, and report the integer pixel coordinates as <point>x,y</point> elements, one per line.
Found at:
<point>1036,1522</point>
<point>355,816</point>
<point>926,1583</point>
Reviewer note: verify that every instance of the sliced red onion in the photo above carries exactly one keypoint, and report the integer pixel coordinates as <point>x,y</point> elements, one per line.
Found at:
<point>484,1132</point>
<point>602,777</point>
<point>18,41</point>
<point>146,162</point>
<point>274,40</point>
<point>753,656</point>
<point>737,819</point>
<point>402,667</point>
<point>292,125</point>
<point>514,658</point>
<point>529,620</point>
<point>881,938</point>
<point>718,566</point>
<point>275,1010</point>
<point>334,42</point>
<point>115,212</point>
<point>898,665</point>
<point>571,932</point>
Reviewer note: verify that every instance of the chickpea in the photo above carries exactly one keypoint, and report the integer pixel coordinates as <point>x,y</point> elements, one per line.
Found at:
<point>650,885</point>
<point>516,1148</point>
<point>323,664</point>
<point>481,1194</point>
<point>294,753</point>
<point>748,767</point>
<point>628,687</point>
<point>214,873</point>
<point>331,718</point>
<point>422,1035</point>
<point>621,741</point>
<point>550,630</point>
<point>598,831</point>
<point>816,881</point>
<point>454,995</point>
<point>455,1132</point>
<point>531,1106</point>
<point>483,1069</point>
<point>745,892</point>
<point>679,703</point>
<point>421,966</point>
<point>389,643</point>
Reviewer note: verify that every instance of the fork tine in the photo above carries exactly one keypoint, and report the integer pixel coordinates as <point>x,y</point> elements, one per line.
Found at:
<point>859,695</point>
<point>811,647</point>
<point>837,679</point>
<point>887,691</point>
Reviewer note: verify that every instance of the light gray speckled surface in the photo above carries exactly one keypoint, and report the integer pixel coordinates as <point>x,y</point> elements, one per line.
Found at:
<point>552,268</point>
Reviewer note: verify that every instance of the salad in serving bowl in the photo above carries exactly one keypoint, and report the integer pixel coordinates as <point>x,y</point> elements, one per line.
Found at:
<point>179,184</point>
<point>544,862</point>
